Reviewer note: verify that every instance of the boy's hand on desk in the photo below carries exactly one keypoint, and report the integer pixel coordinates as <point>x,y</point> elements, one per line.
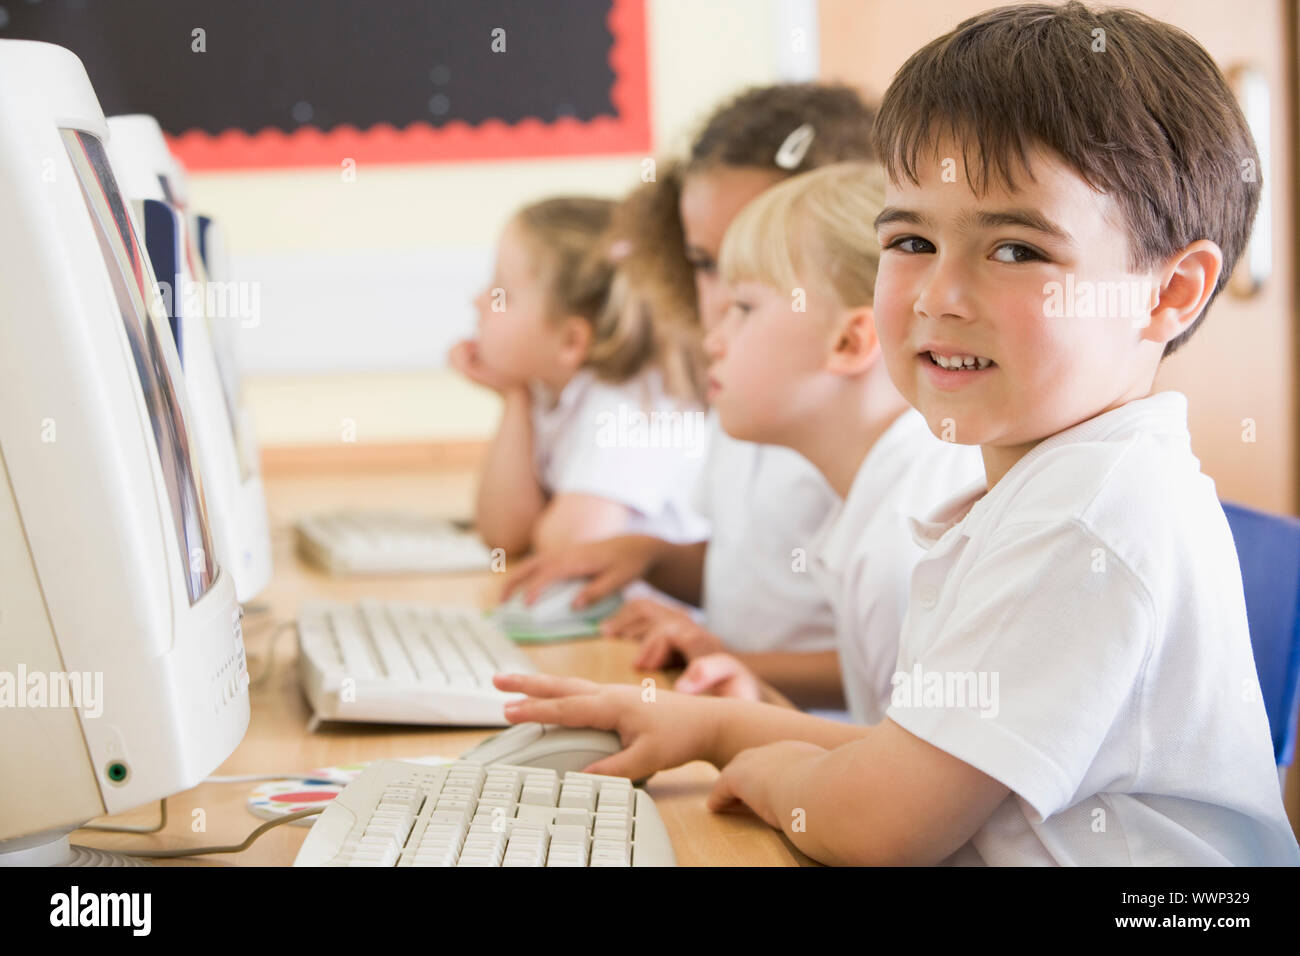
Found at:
<point>675,635</point>
<point>755,774</point>
<point>722,675</point>
<point>466,359</point>
<point>658,728</point>
<point>610,564</point>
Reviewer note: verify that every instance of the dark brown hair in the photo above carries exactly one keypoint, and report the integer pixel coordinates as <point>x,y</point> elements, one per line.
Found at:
<point>648,239</point>
<point>746,132</point>
<point>1135,106</point>
<point>750,129</point>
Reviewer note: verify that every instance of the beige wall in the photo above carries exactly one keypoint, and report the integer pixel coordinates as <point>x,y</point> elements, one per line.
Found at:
<point>1240,365</point>
<point>700,52</point>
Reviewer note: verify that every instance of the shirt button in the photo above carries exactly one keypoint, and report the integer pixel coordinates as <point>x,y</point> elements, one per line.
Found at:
<point>927,598</point>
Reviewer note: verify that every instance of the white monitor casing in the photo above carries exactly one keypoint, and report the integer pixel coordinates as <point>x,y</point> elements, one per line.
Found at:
<point>95,485</point>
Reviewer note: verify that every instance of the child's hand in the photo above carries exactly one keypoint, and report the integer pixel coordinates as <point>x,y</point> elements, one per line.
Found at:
<point>722,675</point>
<point>755,776</point>
<point>675,635</point>
<point>658,729</point>
<point>610,564</point>
<point>466,359</point>
<point>635,620</point>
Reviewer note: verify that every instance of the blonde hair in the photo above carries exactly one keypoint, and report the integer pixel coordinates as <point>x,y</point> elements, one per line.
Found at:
<point>595,264</point>
<point>563,233</point>
<point>817,227</point>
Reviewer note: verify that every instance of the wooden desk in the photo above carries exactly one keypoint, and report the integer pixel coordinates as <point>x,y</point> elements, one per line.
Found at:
<point>277,740</point>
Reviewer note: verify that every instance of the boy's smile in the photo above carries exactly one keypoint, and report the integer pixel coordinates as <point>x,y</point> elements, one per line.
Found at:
<point>962,305</point>
<point>948,368</point>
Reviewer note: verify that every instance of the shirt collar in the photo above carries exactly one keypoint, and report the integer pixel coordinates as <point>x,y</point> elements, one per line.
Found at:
<point>549,404</point>
<point>927,532</point>
<point>837,538</point>
<point>1163,413</point>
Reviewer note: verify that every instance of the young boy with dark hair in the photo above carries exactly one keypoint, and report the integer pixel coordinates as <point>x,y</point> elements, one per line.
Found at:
<point>1069,189</point>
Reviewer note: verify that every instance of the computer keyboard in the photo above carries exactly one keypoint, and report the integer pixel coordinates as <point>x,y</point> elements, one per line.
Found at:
<point>400,662</point>
<point>464,814</point>
<point>388,542</point>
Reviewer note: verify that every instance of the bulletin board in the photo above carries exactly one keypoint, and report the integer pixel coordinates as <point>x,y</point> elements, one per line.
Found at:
<point>256,84</point>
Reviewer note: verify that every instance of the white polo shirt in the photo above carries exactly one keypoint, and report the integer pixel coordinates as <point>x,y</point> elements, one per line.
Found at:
<point>1079,634</point>
<point>863,556</point>
<point>765,505</point>
<point>628,442</point>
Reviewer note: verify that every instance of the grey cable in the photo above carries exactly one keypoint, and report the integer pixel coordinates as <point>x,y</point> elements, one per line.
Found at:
<point>236,848</point>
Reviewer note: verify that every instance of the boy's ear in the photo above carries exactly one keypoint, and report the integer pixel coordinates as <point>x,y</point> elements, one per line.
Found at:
<point>856,346</point>
<point>1185,284</point>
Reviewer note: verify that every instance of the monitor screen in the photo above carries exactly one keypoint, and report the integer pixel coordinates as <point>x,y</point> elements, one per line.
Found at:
<point>223,346</point>
<point>145,330</point>
<point>162,242</point>
<point>166,185</point>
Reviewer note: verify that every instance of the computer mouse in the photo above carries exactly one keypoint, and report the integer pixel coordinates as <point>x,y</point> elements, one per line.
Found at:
<point>552,616</point>
<point>549,746</point>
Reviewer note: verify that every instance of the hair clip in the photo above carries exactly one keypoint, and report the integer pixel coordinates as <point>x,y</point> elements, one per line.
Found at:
<point>795,147</point>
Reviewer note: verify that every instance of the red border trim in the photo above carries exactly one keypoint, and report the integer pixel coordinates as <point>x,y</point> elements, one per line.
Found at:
<point>421,142</point>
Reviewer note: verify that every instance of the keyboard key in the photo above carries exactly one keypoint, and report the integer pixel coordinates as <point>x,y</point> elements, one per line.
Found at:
<point>534,813</point>
<point>353,646</point>
<point>573,817</point>
<point>566,854</point>
<point>527,846</point>
<point>610,853</point>
<point>567,833</point>
<point>577,797</point>
<point>612,826</point>
<point>614,797</point>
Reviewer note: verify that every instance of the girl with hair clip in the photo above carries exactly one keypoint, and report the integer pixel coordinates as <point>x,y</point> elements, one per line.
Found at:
<point>581,372</point>
<point>765,503</point>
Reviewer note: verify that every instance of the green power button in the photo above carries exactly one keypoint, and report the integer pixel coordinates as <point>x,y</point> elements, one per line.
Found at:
<point>117,771</point>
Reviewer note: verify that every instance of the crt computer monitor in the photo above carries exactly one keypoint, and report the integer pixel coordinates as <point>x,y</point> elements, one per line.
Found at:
<point>201,317</point>
<point>210,240</point>
<point>122,669</point>
<point>214,254</point>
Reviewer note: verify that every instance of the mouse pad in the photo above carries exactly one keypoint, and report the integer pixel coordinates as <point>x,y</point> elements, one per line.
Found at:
<point>273,799</point>
<point>574,631</point>
<point>584,623</point>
